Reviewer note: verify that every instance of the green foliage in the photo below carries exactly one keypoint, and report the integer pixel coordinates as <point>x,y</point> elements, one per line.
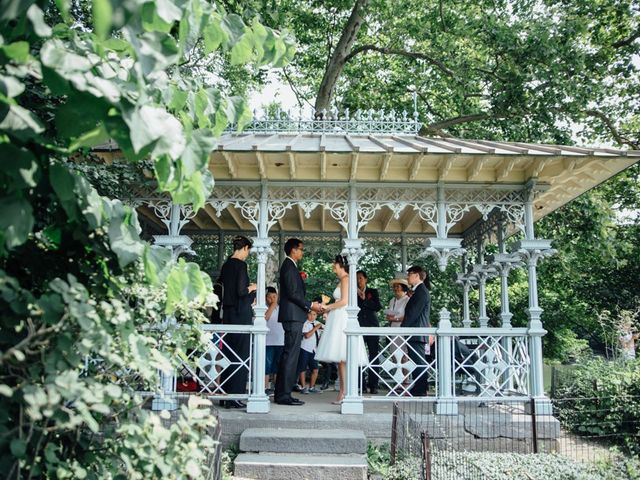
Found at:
<point>602,398</point>
<point>378,458</point>
<point>491,70</point>
<point>79,289</point>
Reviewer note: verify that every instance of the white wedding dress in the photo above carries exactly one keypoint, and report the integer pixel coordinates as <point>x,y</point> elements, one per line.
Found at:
<point>333,342</point>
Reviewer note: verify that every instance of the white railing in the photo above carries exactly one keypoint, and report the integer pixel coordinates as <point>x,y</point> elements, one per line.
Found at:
<point>211,369</point>
<point>464,364</point>
<point>461,364</point>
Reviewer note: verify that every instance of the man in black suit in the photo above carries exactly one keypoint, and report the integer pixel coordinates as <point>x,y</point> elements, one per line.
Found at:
<point>292,315</point>
<point>416,314</point>
<point>369,304</point>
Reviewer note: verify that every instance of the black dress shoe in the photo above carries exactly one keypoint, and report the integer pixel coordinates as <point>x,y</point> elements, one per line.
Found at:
<point>374,391</point>
<point>234,404</point>
<point>290,401</point>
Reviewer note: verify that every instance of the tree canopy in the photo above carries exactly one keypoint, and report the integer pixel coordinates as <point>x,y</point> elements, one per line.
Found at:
<point>531,70</point>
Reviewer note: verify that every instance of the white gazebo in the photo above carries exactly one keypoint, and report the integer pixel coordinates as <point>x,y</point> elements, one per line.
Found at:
<point>374,173</point>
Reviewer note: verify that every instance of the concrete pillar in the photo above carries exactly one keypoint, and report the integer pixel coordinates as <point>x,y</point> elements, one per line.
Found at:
<point>446,403</point>
<point>258,401</point>
<point>353,402</point>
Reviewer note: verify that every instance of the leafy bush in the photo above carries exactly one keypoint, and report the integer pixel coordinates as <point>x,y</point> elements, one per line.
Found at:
<point>87,309</point>
<point>602,398</point>
<point>507,466</point>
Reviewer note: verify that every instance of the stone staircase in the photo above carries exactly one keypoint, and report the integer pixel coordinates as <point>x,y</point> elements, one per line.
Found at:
<point>302,454</point>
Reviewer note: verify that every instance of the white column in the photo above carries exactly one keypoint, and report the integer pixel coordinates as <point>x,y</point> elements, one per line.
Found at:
<point>483,320</point>
<point>466,319</point>
<point>504,268</point>
<point>403,253</point>
<point>446,403</point>
<point>352,403</point>
<point>258,400</point>
<point>531,250</point>
<point>171,217</point>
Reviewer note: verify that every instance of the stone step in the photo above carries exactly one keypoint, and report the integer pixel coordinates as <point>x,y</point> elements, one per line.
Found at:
<point>290,440</point>
<point>273,466</point>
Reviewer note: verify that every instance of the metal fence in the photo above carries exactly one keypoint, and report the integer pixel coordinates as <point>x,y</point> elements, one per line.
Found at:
<point>493,438</point>
<point>214,459</point>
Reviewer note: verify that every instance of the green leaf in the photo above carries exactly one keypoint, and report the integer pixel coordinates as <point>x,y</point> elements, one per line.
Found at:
<point>6,391</point>
<point>157,263</point>
<point>55,55</point>
<point>21,123</point>
<point>168,10</point>
<point>102,13</point>
<point>185,283</point>
<point>10,86</point>
<point>19,165</point>
<point>238,111</point>
<point>82,113</point>
<point>64,6</point>
<point>16,222</point>
<point>90,139</point>
<point>18,447</point>
<point>156,51</point>
<point>12,9</point>
<point>242,51</point>
<point>17,51</point>
<point>124,233</point>
<point>36,17</point>
<point>214,34</point>
<point>154,127</point>
<point>152,22</point>
<point>63,184</point>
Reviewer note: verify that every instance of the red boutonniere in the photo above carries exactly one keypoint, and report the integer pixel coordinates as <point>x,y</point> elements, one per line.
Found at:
<point>304,276</point>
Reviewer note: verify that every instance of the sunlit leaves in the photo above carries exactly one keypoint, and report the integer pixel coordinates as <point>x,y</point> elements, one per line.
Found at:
<point>124,233</point>
<point>157,129</point>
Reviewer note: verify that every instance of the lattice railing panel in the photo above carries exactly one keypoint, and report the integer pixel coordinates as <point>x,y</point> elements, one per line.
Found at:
<point>395,369</point>
<point>492,366</point>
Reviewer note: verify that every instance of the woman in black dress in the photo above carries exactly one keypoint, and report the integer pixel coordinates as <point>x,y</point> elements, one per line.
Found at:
<point>237,299</point>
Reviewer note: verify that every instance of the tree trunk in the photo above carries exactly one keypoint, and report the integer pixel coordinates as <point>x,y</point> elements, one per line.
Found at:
<point>339,56</point>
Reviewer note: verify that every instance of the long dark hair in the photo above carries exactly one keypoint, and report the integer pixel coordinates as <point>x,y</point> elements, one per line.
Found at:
<point>342,261</point>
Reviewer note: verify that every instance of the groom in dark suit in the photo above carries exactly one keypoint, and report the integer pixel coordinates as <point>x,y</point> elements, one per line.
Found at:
<point>416,314</point>
<point>292,315</point>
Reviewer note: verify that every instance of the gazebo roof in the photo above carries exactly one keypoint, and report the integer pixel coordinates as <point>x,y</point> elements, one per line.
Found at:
<point>403,160</point>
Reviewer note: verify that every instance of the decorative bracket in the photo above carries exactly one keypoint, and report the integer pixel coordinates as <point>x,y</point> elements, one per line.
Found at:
<point>443,249</point>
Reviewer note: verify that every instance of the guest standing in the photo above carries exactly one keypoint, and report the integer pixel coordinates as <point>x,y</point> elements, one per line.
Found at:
<point>369,303</point>
<point>275,338</point>
<point>237,299</point>
<point>416,314</point>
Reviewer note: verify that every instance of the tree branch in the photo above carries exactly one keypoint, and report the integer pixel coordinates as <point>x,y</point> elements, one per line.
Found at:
<point>629,40</point>
<point>393,51</point>
<point>476,117</point>
<point>615,133</point>
<point>337,60</point>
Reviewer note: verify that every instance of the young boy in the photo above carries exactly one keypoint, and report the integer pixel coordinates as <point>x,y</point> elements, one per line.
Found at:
<point>308,352</point>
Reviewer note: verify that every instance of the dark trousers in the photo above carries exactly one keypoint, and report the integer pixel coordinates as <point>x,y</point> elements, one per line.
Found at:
<point>419,375</point>
<point>373,348</point>
<point>287,370</point>
<point>234,376</point>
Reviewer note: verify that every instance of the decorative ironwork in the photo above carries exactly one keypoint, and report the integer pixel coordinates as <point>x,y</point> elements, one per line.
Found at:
<point>219,206</point>
<point>213,368</point>
<point>332,121</point>
<point>394,368</point>
<point>492,366</point>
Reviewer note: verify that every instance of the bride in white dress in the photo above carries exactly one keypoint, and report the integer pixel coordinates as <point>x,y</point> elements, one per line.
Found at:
<point>333,342</point>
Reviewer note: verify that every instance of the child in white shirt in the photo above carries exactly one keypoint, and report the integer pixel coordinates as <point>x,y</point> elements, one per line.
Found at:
<point>308,346</point>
